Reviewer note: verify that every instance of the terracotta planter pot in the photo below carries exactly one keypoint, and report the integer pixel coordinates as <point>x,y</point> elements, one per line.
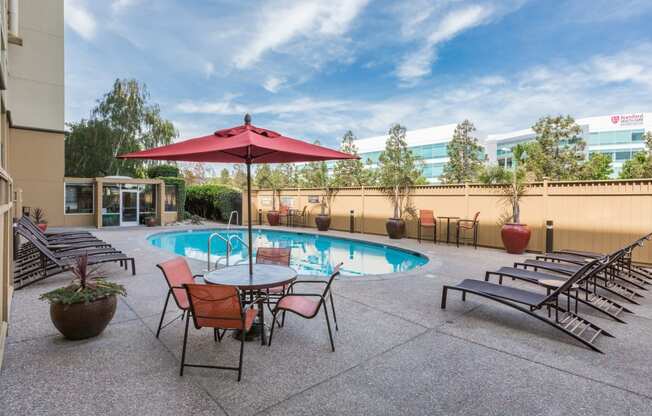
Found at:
<point>150,222</point>
<point>83,320</point>
<point>273,218</point>
<point>515,237</point>
<point>395,228</point>
<point>42,226</point>
<point>323,222</point>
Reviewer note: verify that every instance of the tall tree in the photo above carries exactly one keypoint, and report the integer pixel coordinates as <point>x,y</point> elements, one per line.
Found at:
<point>352,172</point>
<point>124,120</point>
<point>640,166</point>
<point>597,167</point>
<point>239,177</point>
<point>225,177</point>
<point>558,149</point>
<point>398,170</point>
<point>464,155</point>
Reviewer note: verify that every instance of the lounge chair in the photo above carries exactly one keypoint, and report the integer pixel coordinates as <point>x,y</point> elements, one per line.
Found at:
<point>607,280</point>
<point>530,302</point>
<point>427,220</point>
<point>219,308</point>
<point>50,264</point>
<point>307,305</point>
<point>551,281</point>
<point>27,223</point>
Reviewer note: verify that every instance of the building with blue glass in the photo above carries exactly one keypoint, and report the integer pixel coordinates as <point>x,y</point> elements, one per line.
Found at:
<point>429,144</point>
<point>619,135</point>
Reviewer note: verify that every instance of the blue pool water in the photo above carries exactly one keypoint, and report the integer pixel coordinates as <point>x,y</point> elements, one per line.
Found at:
<point>311,254</point>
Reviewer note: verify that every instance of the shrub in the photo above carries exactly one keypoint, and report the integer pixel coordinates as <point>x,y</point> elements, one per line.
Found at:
<point>160,171</point>
<point>213,202</point>
<point>181,194</point>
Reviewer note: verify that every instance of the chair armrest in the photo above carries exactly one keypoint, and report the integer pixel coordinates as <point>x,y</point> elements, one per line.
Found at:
<point>318,295</point>
<point>307,281</point>
<point>471,221</point>
<point>255,301</point>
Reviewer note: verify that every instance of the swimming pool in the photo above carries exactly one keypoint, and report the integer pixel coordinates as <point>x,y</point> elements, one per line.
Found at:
<point>311,254</point>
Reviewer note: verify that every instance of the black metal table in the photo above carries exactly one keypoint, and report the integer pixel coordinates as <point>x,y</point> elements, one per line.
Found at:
<point>448,226</point>
<point>264,276</point>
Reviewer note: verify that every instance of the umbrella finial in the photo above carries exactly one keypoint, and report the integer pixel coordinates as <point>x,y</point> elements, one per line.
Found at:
<point>247,119</point>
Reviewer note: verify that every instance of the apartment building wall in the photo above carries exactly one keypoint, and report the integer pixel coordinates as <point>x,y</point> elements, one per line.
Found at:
<point>35,94</point>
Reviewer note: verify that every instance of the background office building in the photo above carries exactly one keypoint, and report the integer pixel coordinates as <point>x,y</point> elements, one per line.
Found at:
<point>619,135</point>
<point>429,144</point>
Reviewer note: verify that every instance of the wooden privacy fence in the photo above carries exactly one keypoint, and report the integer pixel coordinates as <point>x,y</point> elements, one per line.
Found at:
<point>589,215</point>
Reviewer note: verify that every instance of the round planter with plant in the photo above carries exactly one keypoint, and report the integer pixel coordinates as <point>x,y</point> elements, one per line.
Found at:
<point>329,189</point>
<point>273,217</point>
<point>85,307</point>
<point>323,222</point>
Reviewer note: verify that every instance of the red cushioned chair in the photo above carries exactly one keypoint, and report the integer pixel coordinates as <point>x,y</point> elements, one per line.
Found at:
<point>278,256</point>
<point>307,305</point>
<point>217,307</point>
<point>427,220</point>
<point>284,212</point>
<point>176,273</point>
<point>468,225</point>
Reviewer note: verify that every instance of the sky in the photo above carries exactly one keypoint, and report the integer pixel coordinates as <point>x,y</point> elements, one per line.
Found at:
<point>315,69</point>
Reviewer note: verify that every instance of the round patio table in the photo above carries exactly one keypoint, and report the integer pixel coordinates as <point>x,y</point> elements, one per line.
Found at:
<point>265,276</point>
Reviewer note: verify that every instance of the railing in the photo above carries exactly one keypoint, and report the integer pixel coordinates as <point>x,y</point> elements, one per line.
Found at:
<point>228,250</point>
<point>237,219</point>
<point>237,237</point>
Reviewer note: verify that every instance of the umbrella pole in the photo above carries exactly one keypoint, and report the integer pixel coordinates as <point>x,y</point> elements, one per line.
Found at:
<point>251,263</point>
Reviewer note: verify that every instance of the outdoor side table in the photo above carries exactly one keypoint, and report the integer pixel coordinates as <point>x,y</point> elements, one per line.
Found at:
<point>264,276</point>
<point>448,226</point>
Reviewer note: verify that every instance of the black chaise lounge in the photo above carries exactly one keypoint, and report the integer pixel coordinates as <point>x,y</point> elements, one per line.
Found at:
<point>590,296</point>
<point>565,320</point>
<point>50,264</point>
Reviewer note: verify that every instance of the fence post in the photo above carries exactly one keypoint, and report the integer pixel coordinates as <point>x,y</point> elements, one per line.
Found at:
<point>466,199</point>
<point>362,219</point>
<point>544,195</point>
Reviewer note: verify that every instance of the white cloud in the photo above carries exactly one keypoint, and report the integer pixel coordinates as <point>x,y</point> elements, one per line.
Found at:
<point>209,69</point>
<point>417,64</point>
<point>273,84</point>
<point>283,22</point>
<point>79,19</point>
<point>121,5</point>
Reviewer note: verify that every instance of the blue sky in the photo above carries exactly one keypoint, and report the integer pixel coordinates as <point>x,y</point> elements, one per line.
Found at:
<point>313,69</point>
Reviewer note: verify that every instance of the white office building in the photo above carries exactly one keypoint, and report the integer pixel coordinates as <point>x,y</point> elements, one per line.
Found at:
<point>429,144</point>
<point>619,135</point>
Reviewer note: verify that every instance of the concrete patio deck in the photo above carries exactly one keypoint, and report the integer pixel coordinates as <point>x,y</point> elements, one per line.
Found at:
<point>396,353</point>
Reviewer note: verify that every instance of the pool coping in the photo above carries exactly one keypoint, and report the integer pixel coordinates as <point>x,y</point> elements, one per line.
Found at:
<point>373,277</point>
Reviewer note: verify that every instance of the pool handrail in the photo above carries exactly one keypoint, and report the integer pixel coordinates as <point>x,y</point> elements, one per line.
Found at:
<point>228,249</point>
<point>237,219</point>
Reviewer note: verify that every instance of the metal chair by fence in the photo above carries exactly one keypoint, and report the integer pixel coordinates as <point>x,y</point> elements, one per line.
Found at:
<point>467,225</point>
<point>427,220</point>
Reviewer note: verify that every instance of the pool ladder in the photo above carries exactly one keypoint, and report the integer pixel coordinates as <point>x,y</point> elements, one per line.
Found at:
<point>237,219</point>
<point>229,247</point>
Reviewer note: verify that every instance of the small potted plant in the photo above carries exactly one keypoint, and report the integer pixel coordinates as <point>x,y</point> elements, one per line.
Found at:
<point>38,215</point>
<point>150,220</point>
<point>85,307</point>
<point>328,185</point>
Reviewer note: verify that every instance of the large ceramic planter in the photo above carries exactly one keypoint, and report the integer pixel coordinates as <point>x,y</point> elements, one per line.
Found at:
<point>395,228</point>
<point>43,226</point>
<point>515,237</point>
<point>273,217</point>
<point>150,221</point>
<point>83,320</point>
<point>323,222</point>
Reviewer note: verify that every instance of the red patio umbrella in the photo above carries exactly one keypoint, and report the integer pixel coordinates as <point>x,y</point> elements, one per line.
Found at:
<point>242,144</point>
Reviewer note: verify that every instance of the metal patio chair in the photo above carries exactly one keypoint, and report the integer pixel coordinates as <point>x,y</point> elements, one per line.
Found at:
<point>565,320</point>
<point>219,308</point>
<point>307,305</point>
<point>280,257</point>
<point>427,220</point>
<point>284,212</point>
<point>176,273</point>
<point>467,225</point>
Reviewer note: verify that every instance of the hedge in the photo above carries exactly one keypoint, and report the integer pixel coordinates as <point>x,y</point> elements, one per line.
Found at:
<point>163,171</point>
<point>213,202</point>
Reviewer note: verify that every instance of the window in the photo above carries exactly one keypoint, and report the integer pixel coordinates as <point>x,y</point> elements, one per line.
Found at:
<point>171,198</point>
<point>79,198</point>
<point>110,205</point>
<point>147,204</point>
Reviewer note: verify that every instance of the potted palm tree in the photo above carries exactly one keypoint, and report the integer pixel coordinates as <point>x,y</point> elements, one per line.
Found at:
<point>86,306</point>
<point>399,170</point>
<point>321,178</point>
<point>274,180</point>
<point>515,235</point>
<point>39,218</point>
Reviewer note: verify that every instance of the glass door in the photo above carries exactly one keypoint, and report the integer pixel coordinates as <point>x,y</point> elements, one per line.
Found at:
<point>128,207</point>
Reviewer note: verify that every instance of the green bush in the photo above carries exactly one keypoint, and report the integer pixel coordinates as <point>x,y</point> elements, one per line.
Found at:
<point>213,202</point>
<point>160,171</point>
